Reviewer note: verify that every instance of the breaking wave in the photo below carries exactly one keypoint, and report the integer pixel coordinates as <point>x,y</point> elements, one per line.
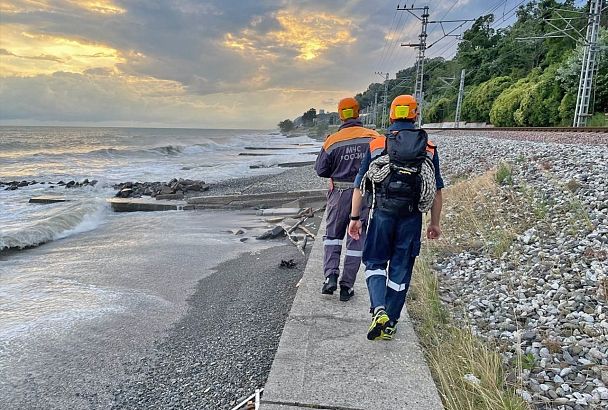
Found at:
<point>62,222</point>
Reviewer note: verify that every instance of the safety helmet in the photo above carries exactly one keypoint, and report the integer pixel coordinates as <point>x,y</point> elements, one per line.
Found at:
<point>403,107</point>
<point>348,108</point>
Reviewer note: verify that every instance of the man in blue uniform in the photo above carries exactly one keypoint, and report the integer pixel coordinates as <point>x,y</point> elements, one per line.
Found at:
<point>340,160</point>
<point>393,234</point>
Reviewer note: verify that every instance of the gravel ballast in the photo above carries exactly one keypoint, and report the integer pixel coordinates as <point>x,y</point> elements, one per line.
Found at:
<point>543,302</point>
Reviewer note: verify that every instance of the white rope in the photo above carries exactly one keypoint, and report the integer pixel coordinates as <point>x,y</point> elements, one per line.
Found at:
<point>381,167</point>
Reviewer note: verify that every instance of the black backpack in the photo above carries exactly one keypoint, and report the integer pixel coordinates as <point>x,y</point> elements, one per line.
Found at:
<point>407,148</point>
<point>400,191</point>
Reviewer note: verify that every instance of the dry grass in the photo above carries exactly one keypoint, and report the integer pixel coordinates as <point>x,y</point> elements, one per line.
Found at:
<point>469,221</point>
<point>469,373</point>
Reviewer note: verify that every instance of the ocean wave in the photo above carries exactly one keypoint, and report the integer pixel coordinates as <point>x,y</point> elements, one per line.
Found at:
<point>163,150</point>
<point>60,223</point>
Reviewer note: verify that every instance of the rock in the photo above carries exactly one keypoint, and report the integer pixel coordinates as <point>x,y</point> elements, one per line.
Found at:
<point>166,190</point>
<point>170,197</point>
<point>272,233</point>
<point>125,193</point>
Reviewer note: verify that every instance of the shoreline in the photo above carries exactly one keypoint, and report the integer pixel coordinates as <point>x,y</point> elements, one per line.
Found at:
<point>106,383</point>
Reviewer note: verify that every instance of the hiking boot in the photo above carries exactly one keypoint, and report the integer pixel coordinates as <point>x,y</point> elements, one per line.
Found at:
<point>379,320</point>
<point>388,333</point>
<point>330,285</point>
<point>346,293</point>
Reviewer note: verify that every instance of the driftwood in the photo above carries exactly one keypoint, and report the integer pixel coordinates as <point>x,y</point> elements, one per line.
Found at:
<point>307,231</point>
<point>295,244</point>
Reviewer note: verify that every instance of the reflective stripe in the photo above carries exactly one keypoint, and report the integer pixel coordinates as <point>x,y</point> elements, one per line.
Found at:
<point>379,272</point>
<point>395,286</point>
<point>358,254</point>
<point>330,242</point>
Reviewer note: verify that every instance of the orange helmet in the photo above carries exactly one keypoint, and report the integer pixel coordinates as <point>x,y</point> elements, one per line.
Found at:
<point>403,107</point>
<point>348,108</point>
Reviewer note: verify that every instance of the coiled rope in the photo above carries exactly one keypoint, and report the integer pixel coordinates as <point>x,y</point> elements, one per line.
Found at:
<point>381,167</point>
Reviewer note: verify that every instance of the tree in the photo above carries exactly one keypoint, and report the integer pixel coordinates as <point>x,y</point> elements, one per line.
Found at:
<point>286,126</point>
<point>478,101</point>
<point>308,117</point>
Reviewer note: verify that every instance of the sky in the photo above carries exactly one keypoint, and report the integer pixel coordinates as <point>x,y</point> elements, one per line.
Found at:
<point>205,64</point>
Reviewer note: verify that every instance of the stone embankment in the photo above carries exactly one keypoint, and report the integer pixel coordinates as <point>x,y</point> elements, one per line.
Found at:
<point>174,189</point>
<point>589,138</point>
<point>538,289</point>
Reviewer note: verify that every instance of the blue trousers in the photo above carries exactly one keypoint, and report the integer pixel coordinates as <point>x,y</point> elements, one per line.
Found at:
<point>392,242</point>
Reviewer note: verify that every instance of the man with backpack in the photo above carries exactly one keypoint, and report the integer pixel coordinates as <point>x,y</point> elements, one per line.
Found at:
<point>401,178</point>
<point>339,160</point>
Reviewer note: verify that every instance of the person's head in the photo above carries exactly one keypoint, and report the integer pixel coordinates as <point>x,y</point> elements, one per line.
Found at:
<point>403,108</point>
<point>348,109</point>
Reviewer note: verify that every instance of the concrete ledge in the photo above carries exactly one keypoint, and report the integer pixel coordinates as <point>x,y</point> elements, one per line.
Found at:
<point>324,360</point>
<point>255,200</point>
<point>146,205</point>
<point>47,199</point>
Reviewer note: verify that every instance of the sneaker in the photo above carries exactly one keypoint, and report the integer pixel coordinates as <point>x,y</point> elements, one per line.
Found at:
<point>330,285</point>
<point>346,293</point>
<point>388,333</point>
<point>379,320</point>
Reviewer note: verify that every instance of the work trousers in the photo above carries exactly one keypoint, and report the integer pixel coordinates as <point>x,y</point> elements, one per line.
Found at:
<point>392,241</point>
<point>338,212</point>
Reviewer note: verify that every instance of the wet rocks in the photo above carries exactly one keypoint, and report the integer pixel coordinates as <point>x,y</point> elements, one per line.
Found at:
<point>174,189</point>
<point>14,185</point>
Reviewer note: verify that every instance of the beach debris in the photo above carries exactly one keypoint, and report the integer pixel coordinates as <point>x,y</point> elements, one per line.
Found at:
<point>237,231</point>
<point>290,264</point>
<point>272,233</point>
<point>307,231</point>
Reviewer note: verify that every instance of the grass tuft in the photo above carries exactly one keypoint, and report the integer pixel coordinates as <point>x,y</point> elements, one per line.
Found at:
<point>504,174</point>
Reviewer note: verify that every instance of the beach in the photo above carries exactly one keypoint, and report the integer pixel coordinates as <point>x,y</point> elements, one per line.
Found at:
<point>94,314</point>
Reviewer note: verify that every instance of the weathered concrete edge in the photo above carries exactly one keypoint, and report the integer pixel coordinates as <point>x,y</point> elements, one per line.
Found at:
<point>273,400</point>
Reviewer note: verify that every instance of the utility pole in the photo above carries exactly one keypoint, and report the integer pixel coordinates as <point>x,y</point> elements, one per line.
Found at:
<point>591,51</point>
<point>459,101</point>
<point>384,97</point>
<point>421,46</point>
<point>583,98</point>
<point>375,109</point>
<point>385,102</point>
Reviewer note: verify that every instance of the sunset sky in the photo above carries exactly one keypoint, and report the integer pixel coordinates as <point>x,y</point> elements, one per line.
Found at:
<point>211,64</point>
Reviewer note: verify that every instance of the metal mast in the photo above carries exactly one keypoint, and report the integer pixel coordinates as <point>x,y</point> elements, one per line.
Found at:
<point>421,46</point>
<point>384,97</point>
<point>583,98</point>
<point>459,102</point>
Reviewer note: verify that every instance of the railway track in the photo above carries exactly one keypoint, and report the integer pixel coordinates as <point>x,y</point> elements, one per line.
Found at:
<point>594,130</point>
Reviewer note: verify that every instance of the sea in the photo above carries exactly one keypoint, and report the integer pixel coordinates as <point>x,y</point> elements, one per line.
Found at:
<point>77,279</point>
<point>115,155</point>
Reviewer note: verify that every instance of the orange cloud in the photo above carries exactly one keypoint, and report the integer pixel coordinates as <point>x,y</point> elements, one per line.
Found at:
<point>24,53</point>
<point>94,6</point>
<point>309,35</point>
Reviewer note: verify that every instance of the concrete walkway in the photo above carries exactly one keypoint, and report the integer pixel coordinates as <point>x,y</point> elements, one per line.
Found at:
<point>324,360</point>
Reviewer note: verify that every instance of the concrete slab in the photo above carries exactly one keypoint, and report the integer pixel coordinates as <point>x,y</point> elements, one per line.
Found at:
<point>47,199</point>
<point>255,200</point>
<point>324,360</point>
<point>146,205</point>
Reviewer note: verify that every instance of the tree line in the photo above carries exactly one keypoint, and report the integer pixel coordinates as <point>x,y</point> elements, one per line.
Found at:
<point>510,82</point>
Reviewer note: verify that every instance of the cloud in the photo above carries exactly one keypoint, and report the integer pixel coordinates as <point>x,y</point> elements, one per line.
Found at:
<point>193,62</point>
<point>304,35</point>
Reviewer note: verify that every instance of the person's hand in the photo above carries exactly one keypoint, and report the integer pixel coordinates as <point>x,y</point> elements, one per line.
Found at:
<point>433,232</point>
<point>354,229</point>
<point>331,184</point>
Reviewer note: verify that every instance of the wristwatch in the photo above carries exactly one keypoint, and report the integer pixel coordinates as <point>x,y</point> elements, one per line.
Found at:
<point>354,218</point>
